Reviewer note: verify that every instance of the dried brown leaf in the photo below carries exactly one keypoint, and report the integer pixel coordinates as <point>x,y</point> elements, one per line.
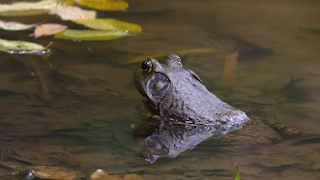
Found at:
<point>48,29</point>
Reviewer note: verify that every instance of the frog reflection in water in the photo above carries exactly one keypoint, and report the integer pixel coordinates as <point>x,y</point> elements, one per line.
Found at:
<point>182,112</point>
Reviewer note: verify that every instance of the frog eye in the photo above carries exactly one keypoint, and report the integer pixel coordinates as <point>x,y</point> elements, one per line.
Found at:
<point>147,66</point>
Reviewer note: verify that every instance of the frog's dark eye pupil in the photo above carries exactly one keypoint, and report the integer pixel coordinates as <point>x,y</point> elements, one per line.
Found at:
<point>147,66</point>
<point>144,65</point>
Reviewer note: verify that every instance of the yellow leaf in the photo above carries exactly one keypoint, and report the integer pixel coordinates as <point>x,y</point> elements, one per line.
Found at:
<point>48,29</point>
<point>15,26</point>
<point>23,47</point>
<point>68,2</point>
<point>109,24</point>
<point>72,12</point>
<point>91,35</point>
<point>105,5</point>
<point>27,8</point>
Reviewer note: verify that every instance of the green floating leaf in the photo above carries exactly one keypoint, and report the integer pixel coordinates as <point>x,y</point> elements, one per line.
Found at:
<point>91,35</point>
<point>15,26</point>
<point>109,24</point>
<point>105,5</point>
<point>72,12</point>
<point>179,53</point>
<point>27,8</point>
<point>23,47</point>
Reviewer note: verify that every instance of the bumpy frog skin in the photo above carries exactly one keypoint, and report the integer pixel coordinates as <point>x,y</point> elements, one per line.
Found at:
<point>170,91</point>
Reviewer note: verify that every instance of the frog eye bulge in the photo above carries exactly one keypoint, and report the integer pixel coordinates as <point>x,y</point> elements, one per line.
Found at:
<point>147,66</point>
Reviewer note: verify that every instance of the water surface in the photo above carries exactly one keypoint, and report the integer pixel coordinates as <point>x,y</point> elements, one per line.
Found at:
<point>95,106</point>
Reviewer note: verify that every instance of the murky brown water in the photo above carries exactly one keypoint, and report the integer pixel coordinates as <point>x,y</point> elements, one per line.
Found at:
<point>93,112</point>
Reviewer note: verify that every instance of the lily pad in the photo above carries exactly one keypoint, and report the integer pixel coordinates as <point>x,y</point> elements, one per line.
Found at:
<point>72,12</point>
<point>23,47</point>
<point>109,24</point>
<point>15,26</point>
<point>27,8</point>
<point>48,29</point>
<point>91,35</point>
<point>105,5</point>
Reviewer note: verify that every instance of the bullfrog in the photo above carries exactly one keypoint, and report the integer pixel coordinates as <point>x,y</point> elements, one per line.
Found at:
<point>171,91</point>
<point>182,112</point>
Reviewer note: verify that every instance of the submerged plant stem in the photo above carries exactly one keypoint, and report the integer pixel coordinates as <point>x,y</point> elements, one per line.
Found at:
<point>44,91</point>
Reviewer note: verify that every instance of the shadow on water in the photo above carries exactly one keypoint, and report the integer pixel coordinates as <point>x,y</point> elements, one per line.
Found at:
<point>92,117</point>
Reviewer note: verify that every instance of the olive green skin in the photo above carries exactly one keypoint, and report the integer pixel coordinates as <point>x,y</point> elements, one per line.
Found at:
<point>171,91</point>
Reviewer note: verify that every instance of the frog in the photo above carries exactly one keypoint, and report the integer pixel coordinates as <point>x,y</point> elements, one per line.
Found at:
<point>171,91</point>
<point>182,112</point>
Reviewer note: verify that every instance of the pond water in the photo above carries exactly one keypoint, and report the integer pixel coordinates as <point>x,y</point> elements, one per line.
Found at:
<point>94,107</point>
